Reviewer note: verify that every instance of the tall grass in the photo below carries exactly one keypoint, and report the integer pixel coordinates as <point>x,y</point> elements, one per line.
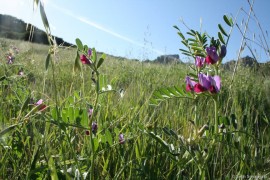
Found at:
<point>161,142</point>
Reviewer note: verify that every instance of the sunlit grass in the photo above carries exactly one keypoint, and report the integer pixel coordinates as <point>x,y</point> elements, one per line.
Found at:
<point>40,146</point>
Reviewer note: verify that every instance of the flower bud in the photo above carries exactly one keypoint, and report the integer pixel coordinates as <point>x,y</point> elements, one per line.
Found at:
<point>223,51</point>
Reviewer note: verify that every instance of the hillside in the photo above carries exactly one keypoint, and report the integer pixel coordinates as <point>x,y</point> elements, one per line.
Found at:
<point>13,28</point>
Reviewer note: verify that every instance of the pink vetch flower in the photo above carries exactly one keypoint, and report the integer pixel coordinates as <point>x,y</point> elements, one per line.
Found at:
<point>94,127</point>
<point>85,60</point>
<point>212,56</point>
<point>87,132</point>
<point>90,112</point>
<point>121,139</point>
<point>210,83</point>
<point>89,52</point>
<point>215,84</point>
<point>199,61</point>
<point>20,73</point>
<point>206,83</point>
<point>10,59</point>
<point>223,51</point>
<point>190,84</point>
<point>41,105</point>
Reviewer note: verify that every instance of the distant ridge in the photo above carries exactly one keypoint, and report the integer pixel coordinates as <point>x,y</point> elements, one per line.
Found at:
<point>14,28</point>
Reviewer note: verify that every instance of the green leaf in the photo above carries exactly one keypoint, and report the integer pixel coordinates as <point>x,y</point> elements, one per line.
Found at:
<point>222,30</point>
<point>181,35</point>
<point>172,91</point>
<point>187,54</point>
<point>221,38</point>
<point>77,64</point>
<point>85,47</point>
<point>199,54</point>
<point>96,144</point>
<point>193,32</point>
<point>179,90</point>
<point>94,55</point>
<point>158,95</point>
<point>84,121</point>
<point>79,44</point>
<point>165,93</point>
<point>101,60</point>
<point>228,22</point>
<point>197,48</point>
<point>44,18</point>
<point>183,50</point>
<point>168,93</point>
<point>176,27</point>
<point>54,113</point>
<point>153,101</point>
<point>193,40</point>
<point>48,59</point>
<point>109,137</point>
<point>185,42</point>
<point>64,115</point>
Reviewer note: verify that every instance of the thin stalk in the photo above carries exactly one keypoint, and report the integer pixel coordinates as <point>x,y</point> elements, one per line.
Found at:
<point>90,125</point>
<point>242,44</point>
<point>216,115</point>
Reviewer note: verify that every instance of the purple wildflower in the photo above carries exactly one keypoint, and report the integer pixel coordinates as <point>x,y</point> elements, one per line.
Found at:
<point>85,60</point>
<point>90,112</point>
<point>121,139</point>
<point>89,52</point>
<point>212,56</point>
<point>223,51</point>
<point>199,61</point>
<point>94,127</point>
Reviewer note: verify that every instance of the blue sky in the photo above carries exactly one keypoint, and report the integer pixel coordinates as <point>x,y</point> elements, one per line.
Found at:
<point>143,29</point>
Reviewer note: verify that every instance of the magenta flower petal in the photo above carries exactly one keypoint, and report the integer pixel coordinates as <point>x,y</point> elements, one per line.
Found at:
<point>90,112</point>
<point>94,127</point>
<point>189,84</point>
<point>204,80</point>
<point>39,102</point>
<point>216,83</point>
<point>223,51</point>
<point>212,55</point>
<point>89,52</point>
<point>84,59</point>
<point>198,88</point>
<point>199,61</point>
<point>121,138</point>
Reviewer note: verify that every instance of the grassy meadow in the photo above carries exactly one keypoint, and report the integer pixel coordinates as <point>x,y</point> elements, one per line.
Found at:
<point>160,141</point>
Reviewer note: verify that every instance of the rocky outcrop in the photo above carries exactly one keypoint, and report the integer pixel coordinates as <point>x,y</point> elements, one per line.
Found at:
<point>165,59</point>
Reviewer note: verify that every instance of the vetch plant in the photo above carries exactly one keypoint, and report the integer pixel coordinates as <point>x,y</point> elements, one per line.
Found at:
<point>205,78</point>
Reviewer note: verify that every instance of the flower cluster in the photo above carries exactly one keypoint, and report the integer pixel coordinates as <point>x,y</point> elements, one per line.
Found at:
<point>10,58</point>
<point>41,105</point>
<point>205,82</point>
<point>121,138</point>
<point>86,59</point>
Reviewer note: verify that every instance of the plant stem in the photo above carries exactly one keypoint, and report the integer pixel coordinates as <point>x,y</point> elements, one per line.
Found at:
<point>216,115</point>
<point>90,125</point>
